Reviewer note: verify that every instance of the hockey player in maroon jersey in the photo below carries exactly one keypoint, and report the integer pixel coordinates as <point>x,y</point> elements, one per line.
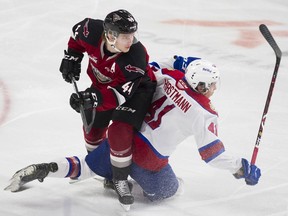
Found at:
<point>181,108</point>
<point>121,90</point>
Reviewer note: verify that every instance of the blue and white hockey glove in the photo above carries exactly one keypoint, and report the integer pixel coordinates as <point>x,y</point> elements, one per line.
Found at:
<point>181,63</point>
<point>251,173</point>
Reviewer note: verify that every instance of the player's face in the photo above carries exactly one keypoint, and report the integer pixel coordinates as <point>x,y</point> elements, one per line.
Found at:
<point>124,42</point>
<point>211,90</point>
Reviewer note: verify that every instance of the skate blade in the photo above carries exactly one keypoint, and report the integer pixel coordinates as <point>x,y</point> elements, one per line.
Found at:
<point>8,187</point>
<point>125,207</point>
<point>73,181</point>
<point>13,187</point>
<point>15,183</point>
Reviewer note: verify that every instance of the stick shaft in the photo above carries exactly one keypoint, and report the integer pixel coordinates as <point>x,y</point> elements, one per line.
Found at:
<point>86,126</point>
<point>269,38</point>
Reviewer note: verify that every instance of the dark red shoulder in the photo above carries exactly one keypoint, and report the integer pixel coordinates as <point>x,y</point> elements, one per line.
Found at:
<point>136,60</point>
<point>88,30</point>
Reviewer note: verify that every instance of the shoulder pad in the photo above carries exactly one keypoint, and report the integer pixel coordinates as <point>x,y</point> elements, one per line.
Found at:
<point>88,30</point>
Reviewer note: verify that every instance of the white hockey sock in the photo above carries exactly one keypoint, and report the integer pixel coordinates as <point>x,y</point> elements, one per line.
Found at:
<point>63,169</point>
<point>68,166</point>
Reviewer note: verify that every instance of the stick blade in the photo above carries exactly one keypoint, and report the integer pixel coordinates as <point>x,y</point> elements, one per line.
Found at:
<point>269,38</point>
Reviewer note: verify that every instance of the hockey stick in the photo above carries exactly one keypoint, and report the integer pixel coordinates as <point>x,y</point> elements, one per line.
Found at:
<point>87,126</point>
<point>269,38</point>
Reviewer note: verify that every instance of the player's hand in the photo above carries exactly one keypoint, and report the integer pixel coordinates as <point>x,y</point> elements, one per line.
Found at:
<point>88,99</point>
<point>181,63</point>
<point>251,173</point>
<point>71,65</point>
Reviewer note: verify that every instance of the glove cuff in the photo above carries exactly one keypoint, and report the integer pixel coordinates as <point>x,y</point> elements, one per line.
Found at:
<point>239,174</point>
<point>243,171</point>
<point>98,94</point>
<point>73,55</point>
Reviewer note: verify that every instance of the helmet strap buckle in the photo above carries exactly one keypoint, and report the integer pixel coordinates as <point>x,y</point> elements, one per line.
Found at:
<point>112,42</point>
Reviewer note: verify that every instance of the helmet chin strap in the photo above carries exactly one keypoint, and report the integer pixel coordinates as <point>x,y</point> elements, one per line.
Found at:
<point>112,44</point>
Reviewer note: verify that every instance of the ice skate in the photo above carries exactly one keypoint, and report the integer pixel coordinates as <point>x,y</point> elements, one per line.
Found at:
<point>108,184</point>
<point>30,173</point>
<point>125,197</point>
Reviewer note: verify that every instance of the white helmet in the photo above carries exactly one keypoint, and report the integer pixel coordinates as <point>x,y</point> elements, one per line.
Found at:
<point>201,72</point>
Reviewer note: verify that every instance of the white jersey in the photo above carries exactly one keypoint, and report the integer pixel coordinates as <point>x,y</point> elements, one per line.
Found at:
<point>177,115</point>
<point>177,112</point>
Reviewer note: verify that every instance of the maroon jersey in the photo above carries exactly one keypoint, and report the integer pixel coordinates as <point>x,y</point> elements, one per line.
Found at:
<point>116,76</point>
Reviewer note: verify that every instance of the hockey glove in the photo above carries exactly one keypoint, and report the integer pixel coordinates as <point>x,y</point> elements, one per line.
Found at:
<point>71,65</point>
<point>251,173</point>
<point>181,63</point>
<point>88,99</point>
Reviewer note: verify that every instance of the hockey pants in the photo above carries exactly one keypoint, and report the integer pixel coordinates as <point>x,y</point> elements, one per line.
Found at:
<point>156,185</point>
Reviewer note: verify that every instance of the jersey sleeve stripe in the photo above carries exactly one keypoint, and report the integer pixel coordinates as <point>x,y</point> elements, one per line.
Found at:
<point>211,151</point>
<point>74,167</point>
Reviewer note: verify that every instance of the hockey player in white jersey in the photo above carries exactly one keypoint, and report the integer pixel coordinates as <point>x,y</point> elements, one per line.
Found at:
<point>181,108</point>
